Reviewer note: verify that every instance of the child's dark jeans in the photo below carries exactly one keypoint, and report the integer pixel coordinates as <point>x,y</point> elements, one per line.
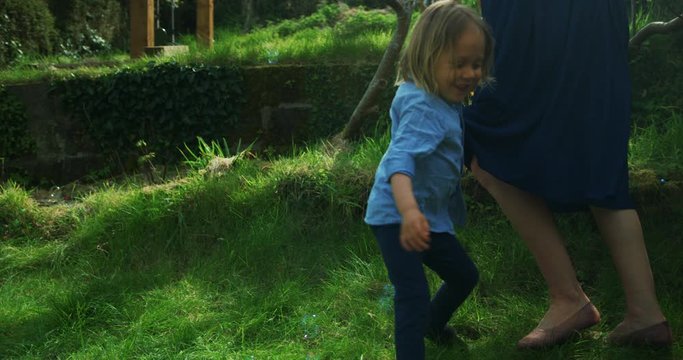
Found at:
<point>415,314</point>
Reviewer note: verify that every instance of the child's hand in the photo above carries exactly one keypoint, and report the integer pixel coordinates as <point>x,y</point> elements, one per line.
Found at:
<point>414,231</point>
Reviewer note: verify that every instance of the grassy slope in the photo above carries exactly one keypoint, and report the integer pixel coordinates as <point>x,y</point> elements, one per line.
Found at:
<point>272,261</point>
<point>334,34</point>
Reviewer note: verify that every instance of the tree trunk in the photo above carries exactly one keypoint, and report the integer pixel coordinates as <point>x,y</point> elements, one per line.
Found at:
<point>385,71</point>
<point>423,4</point>
<point>658,27</point>
<point>248,14</point>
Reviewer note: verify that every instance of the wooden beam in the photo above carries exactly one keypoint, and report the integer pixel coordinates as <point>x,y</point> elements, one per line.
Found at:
<point>205,23</point>
<point>141,26</point>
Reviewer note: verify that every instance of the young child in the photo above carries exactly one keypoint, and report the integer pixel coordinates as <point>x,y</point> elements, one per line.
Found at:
<point>416,198</point>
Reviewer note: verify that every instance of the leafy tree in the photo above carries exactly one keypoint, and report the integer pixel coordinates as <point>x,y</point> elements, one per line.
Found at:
<point>26,27</point>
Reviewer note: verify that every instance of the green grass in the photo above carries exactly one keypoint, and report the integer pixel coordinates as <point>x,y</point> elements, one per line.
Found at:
<point>272,261</point>
<point>334,34</point>
<point>658,146</point>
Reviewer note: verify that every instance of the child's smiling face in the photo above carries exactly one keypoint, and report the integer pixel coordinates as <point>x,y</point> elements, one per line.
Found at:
<point>459,67</point>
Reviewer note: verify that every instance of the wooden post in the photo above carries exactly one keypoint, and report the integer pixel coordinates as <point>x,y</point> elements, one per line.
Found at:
<point>141,26</point>
<point>205,23</point>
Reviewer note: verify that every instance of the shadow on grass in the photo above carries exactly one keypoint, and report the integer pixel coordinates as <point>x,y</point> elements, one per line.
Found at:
<point>122,266</point>
<point>119,265</point>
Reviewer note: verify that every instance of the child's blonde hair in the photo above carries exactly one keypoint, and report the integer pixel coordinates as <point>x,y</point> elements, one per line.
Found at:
<point>437,29</point>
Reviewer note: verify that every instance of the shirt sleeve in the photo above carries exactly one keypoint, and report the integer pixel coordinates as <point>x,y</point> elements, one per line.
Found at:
<point>418,134</point>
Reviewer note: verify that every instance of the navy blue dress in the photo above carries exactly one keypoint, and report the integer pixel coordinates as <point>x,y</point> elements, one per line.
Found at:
<point>556,120</point>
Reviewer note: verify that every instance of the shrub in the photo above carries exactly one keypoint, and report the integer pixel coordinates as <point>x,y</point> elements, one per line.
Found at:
<point>26,27</point>
<point>164,105</point>
<point>373,4</point>
<point>657,75</point>
<point>358,20</point>
<point>274,10</point>
<point>229,12</point>
<point>88,26</point>
<point>325,16</point>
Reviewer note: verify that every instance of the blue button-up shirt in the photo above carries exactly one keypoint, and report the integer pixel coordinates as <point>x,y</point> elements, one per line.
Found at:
<point>426,145</point>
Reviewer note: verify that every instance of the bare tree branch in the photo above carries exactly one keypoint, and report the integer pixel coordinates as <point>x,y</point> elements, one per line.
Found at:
<point>385,71</point>
<point>658,27</point>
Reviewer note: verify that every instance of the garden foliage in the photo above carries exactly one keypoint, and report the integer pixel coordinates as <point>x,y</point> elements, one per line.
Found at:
<point>164,105</point>
<point>89,26</point>
<point>26,27</point>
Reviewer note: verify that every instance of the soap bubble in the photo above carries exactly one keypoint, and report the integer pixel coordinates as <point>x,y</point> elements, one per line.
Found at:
<point>310,326</point>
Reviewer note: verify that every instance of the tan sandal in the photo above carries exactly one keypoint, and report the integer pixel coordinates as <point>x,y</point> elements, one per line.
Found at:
<point>658,335</point>
<point>539,338</point>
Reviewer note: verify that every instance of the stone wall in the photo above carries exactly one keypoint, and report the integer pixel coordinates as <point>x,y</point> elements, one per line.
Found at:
<point>62,152</point>
<point>279,109</point>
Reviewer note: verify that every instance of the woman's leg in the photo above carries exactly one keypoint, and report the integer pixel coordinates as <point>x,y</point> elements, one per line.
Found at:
<point>411,298</point>
<point>534,222</point>
<point>623,233</point>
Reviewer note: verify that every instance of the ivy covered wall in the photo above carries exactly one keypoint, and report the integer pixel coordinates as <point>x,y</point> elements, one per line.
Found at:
<point>169,105</point>
<point>14,136</point>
